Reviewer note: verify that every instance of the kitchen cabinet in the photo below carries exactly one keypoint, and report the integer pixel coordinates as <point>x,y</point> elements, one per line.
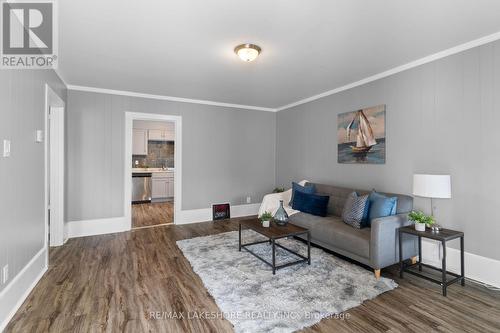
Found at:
<point>163,185</point>
<point>156,135</point>
<point>139,142</point>
<point>170,135</point>
<point>159,189</point>
<point>170,188</point>
<point>162,135</point>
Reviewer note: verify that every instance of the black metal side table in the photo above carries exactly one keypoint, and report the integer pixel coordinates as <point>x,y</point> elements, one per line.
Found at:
<point>443,236</point>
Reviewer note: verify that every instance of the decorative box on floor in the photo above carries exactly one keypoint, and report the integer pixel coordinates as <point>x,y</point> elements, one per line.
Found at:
<point>221,211</point>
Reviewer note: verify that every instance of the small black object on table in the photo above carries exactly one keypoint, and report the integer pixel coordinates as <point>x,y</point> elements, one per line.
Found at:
<point>443,236</point>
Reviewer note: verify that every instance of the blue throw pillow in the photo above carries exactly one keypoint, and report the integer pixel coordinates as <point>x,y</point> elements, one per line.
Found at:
<point>375,195</point>
<point>366,212</point>
<point>308,189</point>
<point>381,206</point>
<point>313,204</point>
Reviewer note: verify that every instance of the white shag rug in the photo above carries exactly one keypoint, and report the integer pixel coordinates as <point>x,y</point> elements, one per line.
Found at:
<point>255,300</point>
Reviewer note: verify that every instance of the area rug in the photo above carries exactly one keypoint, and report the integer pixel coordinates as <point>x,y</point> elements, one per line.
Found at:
<point>255,300</point>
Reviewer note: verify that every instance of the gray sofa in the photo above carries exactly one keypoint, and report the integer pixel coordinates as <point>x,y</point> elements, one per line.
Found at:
<point>377,247</point>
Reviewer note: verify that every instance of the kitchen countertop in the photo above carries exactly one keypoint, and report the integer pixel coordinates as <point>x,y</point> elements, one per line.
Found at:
<point>152,170</point>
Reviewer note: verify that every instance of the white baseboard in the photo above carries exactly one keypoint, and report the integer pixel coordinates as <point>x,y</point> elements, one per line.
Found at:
<point>97,227</point>
<point>205,214</point>
<point>120,224</point>
<point>244,210</point>
<point>477,268</point>
<point>14,294</point>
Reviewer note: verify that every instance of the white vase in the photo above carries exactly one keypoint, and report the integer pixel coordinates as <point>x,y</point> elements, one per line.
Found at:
<point>420,226</point>
<point>265,224</point>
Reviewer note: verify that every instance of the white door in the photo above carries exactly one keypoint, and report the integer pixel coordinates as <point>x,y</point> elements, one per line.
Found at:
<point>56,176</point>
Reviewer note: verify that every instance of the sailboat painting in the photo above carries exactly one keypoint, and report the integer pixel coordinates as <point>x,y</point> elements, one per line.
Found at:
<point>361,136</point>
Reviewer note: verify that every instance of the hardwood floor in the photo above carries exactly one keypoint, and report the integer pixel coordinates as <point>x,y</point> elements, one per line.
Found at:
<point>150,214</point>
<point>111,283</point>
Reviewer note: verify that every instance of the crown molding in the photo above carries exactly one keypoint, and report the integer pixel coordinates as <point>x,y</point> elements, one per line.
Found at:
<point>395,70</point>
<point>59,74</point>
<point>167,98</point>
<point>410,65</point>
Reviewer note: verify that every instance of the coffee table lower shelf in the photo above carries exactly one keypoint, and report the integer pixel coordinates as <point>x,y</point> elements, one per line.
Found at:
<point>272,241</point>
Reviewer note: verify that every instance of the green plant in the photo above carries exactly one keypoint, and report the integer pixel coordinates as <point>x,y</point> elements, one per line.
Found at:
<point>266,216</point>
<point>279,190</point>
<point>420,217</point>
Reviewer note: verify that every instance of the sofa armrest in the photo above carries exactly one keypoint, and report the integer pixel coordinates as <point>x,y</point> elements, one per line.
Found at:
<point>270,202</point>
<point>384,242</point>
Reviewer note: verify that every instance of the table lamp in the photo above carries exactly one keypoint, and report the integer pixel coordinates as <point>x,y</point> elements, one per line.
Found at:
<point>432,186</point>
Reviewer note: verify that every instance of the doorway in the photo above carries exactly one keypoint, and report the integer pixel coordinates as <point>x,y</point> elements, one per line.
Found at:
<point>56,233</point>
<point>152,170</point>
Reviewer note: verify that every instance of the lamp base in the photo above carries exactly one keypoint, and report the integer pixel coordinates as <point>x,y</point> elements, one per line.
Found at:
<point>436,227</point>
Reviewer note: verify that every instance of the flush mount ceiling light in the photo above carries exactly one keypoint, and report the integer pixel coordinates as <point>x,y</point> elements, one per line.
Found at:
<point>247,52</point>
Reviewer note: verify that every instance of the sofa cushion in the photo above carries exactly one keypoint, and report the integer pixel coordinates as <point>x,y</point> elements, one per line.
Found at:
<point>332,230</point>
<point>307,220</point>
<point>338,196</point>
<point>310,203</point>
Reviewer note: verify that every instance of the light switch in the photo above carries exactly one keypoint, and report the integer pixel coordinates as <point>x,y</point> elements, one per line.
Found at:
<point>6,148</point>
<point>39,136</point>
<point>5,273</point>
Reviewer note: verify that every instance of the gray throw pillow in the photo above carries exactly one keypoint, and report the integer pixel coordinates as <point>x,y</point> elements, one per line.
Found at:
<point>354,210</point>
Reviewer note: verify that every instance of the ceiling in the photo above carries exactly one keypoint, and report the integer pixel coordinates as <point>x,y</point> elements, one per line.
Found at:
<point>184,48</point>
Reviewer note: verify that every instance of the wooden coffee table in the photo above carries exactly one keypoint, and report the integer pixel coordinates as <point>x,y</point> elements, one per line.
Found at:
<point>273,233</point>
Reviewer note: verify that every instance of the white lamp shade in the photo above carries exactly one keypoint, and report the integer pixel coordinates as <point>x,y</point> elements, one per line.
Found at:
<point>432,186</point>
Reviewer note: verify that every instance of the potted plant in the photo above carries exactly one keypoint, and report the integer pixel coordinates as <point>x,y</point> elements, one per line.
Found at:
<point>421,220</point>
<point>266,218</point>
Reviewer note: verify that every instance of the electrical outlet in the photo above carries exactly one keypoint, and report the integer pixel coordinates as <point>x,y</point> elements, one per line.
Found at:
<point>249,200</point>
<point>39,136</point>
<point>6,148</point>
<point>5,273</point>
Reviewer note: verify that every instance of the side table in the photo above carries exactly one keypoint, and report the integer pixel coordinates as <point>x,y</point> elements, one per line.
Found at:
<point>442,236</point>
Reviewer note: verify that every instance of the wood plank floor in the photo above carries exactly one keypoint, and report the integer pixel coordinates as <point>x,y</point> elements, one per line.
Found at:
<point>149,214</point>
<point>111,283</point>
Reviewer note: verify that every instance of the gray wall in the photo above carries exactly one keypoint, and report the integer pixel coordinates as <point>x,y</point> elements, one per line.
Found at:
<point>442,117</point>
<point>22,225</point>
<point>228,153</point>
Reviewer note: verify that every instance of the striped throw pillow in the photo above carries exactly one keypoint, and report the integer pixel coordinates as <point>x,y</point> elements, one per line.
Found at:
<point>354,210</point>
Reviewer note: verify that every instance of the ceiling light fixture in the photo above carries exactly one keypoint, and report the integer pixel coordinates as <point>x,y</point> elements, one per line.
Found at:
<point>247,52</point>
